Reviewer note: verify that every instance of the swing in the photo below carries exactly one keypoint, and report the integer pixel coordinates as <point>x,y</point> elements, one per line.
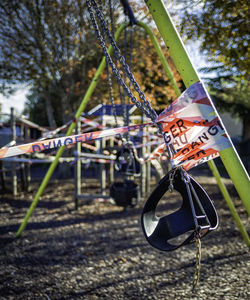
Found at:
<point>125,193</point>
<point>125,161</point>
<point>196,216</point>
<point>197,213</point>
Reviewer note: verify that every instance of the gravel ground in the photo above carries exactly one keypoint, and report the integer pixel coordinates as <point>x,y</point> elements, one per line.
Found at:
<point>99,251</point>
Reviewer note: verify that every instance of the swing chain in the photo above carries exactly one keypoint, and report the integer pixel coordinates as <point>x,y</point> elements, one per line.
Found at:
<point>186,177</point>
<point>143,106</point>
<point>124,107</point>
<point>112,18</point>
<point>171,180</point>
<point>111,95</point>
<point>198,261</point>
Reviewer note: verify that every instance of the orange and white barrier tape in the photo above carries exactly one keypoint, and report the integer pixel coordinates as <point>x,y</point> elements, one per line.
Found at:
<point>190,125</point>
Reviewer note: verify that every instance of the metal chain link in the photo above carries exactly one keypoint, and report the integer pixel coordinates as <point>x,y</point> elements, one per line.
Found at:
<point>171,181</point>
<point>198,262</point>
<point>122,60</point>
<point>113,35</point>
<point>111,96</point>
<point>111,18</point>
<point>124,107</point>
<point>130,62</point>
<point>145,106</point>
<point>109,78</point>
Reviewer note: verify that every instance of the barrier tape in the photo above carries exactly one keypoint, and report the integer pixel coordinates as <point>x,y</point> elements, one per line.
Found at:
<point>65,141</point>
<point>52,158</point>
<point>190,124</point>
<point>52,133</point>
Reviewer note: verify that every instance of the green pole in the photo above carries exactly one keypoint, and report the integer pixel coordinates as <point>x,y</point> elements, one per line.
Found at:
<point>81,109</point>
<point>211,163</point>
<point>230,204</point>
<point>69,132</point>
<point>161,57</point>
<point>189,75</point>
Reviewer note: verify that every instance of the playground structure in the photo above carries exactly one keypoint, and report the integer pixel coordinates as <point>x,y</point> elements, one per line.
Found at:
<point>229,157</point>
<point>17,130</point>
<point>79,157</point>
<point>197,215</point>
<point>107,159</point>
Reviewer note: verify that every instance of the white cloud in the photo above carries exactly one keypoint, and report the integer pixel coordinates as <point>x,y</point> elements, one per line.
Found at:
<point>16,100</point>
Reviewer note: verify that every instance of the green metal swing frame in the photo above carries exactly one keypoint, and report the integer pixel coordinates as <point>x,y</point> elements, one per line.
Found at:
<point>189,76</point>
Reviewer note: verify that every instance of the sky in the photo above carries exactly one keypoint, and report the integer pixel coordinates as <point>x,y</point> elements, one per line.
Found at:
<point>16,100</point>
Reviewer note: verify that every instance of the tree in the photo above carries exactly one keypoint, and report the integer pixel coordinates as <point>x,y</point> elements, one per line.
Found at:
<point>52,46</point>
<point>149,71</point>
<point>45,45</point>
<point>222,30</point>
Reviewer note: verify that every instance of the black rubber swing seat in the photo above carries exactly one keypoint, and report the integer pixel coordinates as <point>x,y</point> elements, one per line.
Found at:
<point>126,163</point>
<point>158,231</point>
<point>125,193</point>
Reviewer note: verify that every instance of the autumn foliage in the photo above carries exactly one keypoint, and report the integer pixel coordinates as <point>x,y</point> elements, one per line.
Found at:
<point>51,46</point>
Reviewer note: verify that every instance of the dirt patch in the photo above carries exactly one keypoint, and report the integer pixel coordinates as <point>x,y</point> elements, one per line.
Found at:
<point>99,252</point>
